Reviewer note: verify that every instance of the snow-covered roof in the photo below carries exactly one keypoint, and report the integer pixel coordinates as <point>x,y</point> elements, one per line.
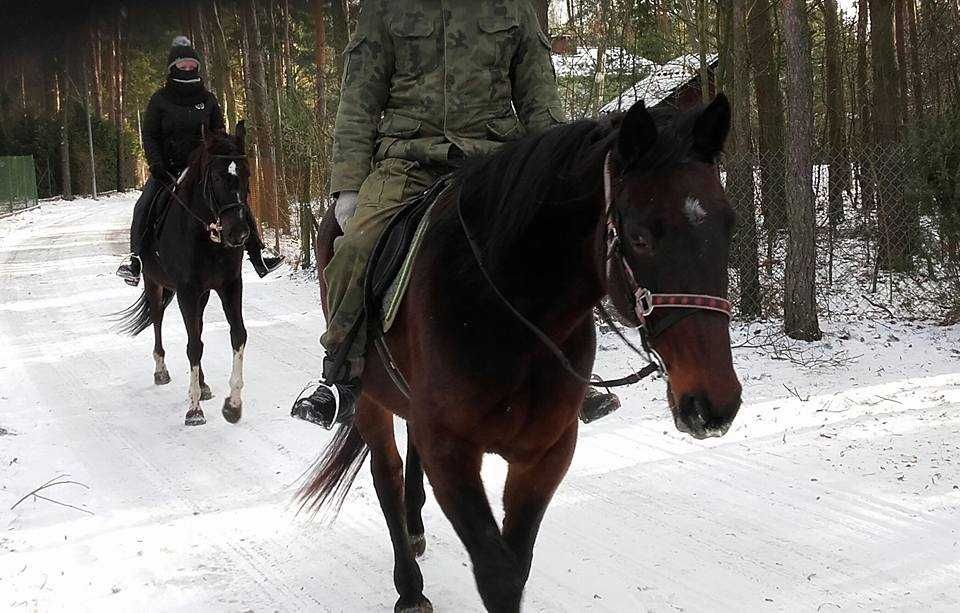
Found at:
<point>662,81</point>
<point>583,63</point>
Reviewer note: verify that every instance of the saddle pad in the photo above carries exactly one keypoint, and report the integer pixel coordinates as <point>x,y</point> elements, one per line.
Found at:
<point>398,287</point>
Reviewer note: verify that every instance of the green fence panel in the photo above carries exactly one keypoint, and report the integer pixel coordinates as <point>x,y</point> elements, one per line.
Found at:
<point>18,183</point>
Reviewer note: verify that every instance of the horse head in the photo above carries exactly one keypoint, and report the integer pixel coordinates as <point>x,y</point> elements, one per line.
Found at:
<point>224,184</point>
<point>672,226</point>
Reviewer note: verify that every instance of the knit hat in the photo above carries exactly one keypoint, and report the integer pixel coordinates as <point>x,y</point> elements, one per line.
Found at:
<point>182,49</point>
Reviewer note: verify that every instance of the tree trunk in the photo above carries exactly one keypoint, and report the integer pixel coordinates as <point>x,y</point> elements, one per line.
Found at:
<point>66,182</point>
<point>543,14</point>
<point>900,33</point>
<point>600,72</point>
<point>118,88</point>
<point>766,85</point>
<point>739,164</point>
<point>87,110</point>
<point>799,300</point>
<point>220,41</point>
<point>95,66</point>
<point>339,31</point>
<point>918,100</point>
<point>865,175</point>
<point>895,223</point>
<point>839,180</point>
<point>261,113</point>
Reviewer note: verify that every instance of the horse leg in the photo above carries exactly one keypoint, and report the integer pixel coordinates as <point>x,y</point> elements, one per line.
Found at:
<point>232,299</point>
<point>453,466</point>
<point>527,493</point>
<point>414,498</point>
<point>205,393</point>
<point>376,427</point>
<point>161,376</point>
<point>190,300</point>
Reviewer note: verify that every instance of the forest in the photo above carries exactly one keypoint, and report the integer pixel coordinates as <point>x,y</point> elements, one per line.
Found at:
<point>843,160</point>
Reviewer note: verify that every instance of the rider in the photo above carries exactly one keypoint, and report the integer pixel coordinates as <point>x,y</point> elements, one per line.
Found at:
<point>173,126</point>
<point>424,85</point>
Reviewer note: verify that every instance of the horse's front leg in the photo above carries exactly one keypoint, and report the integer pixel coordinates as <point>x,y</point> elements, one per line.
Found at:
<point>527,493</point>
<point>453,466</point>
<point>205,392</point>
<point>232,299</point>
<point>376,428</point>
<point>190,300</point>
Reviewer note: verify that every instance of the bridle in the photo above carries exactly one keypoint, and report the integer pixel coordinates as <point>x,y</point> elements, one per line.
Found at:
<point>209,198</point>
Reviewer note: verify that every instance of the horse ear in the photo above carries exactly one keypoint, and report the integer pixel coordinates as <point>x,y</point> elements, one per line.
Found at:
<point>638,132</point>
<point>241,135</point>
<point>711,128</point>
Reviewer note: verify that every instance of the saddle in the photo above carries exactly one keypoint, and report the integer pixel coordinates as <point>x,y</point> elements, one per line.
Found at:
<point>391,261</point>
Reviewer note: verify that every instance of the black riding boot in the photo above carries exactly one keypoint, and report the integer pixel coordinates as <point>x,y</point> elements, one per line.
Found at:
<point>597,404</point>
<point>328,404</point>
<point>130,271</point>
<point>263,265</point>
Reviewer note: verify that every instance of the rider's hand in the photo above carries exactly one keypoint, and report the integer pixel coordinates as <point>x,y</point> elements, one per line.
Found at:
<point>345,208</point>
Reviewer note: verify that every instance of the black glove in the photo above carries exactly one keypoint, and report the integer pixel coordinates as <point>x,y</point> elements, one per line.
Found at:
<point>159,173</point>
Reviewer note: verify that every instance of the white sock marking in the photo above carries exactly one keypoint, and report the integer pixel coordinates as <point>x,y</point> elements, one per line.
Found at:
<point>232,168</point>
<point>161,364</point>
<point>194,393</point>
<point>236,377</point>
<point>694,210</point>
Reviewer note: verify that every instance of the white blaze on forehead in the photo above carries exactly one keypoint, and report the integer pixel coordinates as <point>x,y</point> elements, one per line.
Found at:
<point>232,168</point>
<point>694,210</point>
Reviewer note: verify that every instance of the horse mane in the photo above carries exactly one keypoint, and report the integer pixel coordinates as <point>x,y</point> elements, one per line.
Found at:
<point>504,192</point>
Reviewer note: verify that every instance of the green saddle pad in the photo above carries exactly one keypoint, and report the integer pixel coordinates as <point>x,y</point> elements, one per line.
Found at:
<point>398,287</point>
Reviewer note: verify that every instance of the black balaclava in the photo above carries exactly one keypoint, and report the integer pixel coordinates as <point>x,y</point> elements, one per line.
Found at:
<point>186,86</point>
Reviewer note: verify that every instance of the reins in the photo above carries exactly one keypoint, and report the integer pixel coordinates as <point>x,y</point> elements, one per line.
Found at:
<point>214,226</point>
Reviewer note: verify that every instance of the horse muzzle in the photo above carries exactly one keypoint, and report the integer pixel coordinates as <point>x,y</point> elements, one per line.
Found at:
<point>696,415</point>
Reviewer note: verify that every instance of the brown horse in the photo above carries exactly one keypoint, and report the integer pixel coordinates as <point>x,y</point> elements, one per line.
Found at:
<point>541,230</point>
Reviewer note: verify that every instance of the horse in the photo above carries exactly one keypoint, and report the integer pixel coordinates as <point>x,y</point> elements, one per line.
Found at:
<point>199,249</point>
<point>522,247</point>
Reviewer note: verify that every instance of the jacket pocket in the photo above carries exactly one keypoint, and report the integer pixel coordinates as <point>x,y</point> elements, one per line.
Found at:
<point>504,129</point>
<point>414,45</point>
<point>497,40</point>
<point>398,126</point>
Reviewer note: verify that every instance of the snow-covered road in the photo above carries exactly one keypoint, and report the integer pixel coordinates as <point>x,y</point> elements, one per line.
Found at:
<point>845,496</point>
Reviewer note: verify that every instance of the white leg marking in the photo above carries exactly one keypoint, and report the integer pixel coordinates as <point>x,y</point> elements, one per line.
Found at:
<point>694,210</point>
<point>236,377</point>
<point>194,394</point>
<point>161,364</point>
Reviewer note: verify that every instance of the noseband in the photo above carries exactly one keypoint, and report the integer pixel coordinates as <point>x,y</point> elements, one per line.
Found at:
<point>644,301</point>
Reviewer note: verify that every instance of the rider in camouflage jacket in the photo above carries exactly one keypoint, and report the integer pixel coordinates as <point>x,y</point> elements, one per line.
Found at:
<point>424,84</point>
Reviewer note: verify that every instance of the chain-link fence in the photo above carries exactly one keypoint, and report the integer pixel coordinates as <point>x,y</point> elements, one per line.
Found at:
<point>886,234</point>
<point>18,183</point>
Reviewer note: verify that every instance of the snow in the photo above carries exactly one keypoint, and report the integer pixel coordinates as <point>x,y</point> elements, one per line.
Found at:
<point>661,81</point>
<point>838,487</point>
<point>583,62</point>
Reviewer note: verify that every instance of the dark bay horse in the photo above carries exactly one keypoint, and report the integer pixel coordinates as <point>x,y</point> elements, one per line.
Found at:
<point>199,249</point>
<point>631,207</point>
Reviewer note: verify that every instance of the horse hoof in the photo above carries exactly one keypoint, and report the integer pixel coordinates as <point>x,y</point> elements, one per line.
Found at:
<point>232,413</point>
<point>421,606</point>
<point>205,393</point>
<point>195,418</point>
<point>161,378</point>
<point>418,543</point>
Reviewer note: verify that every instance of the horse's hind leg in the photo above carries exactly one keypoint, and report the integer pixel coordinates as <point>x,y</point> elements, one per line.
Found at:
<point>527,493</point>
<point>232,299</point>
<point>453,466</point>
<point>161,376</point>
<point>414,497</point>
<point>190,301</point>
<point>376,427</point>
<point>205,393</point>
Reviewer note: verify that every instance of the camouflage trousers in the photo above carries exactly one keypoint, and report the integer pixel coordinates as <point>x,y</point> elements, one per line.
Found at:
<point>384,192</point>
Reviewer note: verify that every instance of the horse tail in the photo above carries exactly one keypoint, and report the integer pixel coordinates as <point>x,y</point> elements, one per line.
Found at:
<point>136,318</point>
<point>334,472</point>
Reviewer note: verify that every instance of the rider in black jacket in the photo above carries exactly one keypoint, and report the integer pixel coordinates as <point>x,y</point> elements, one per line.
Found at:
<point>173,126</point>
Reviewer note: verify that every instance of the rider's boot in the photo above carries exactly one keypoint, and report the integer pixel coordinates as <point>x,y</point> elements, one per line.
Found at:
<point>130,271</point>
<point>328,404</point>
<point>598,404</point>
<point>264,265</point>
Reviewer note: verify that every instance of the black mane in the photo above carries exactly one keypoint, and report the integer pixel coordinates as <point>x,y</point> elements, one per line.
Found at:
<point>504,192</point>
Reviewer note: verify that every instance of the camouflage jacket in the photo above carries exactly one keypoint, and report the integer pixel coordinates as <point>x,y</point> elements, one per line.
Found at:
<point>423,75</point>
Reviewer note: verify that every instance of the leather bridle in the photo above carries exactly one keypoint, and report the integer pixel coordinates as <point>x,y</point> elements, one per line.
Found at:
<point>209,198</point>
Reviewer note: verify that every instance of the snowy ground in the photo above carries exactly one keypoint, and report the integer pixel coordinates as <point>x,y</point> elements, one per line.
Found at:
<point>841,493</point>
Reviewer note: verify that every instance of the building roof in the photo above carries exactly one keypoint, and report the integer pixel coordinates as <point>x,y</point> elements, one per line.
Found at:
<point>662,81</point>
<point>583,63</point>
